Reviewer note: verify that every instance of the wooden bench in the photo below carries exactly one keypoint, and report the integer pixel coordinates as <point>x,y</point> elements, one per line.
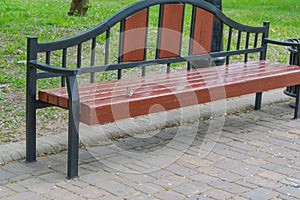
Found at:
<point>185,31</point>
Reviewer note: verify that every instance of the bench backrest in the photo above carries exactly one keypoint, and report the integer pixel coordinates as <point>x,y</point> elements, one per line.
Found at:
<point>154,32</point>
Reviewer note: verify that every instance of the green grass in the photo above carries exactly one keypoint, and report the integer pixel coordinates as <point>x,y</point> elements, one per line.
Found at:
<point>48,20</point>
<point>283,15</point>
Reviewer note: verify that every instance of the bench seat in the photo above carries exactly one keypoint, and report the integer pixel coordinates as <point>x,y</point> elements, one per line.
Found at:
<point>108,101</point>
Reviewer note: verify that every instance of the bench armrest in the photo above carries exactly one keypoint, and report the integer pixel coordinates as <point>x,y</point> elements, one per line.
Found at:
<point>53,69</point>
<point>276,42</point>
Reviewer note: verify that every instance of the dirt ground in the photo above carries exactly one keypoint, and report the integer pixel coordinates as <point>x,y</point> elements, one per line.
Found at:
<point>13,118</point>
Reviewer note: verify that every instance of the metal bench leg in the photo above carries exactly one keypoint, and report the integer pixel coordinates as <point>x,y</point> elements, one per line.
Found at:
<point>297,104</point>
<point>258,99</point>
<point>31,101</point>
<point>31,115</point>
<point>73,135</point>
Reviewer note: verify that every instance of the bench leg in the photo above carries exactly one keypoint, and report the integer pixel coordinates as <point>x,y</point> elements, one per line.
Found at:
<point>297,104</point>
<point>73,131</point>
<point>258,99</point>
<point>31,115</point>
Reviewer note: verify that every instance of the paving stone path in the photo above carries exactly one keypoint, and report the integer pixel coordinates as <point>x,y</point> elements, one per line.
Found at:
<point>248,155</point>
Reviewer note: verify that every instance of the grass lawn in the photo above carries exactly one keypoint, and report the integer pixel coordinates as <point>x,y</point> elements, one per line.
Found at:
<point>48,19</point>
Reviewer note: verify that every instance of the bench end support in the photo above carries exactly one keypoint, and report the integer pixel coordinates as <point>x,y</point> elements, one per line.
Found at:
<point>31,101</point>
<point>258,99</point>
<point>297,104</point>
<point>73,132</point>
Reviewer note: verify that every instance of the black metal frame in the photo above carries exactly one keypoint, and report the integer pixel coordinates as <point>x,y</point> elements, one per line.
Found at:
<point>294,60</point>
<point>69,74</point>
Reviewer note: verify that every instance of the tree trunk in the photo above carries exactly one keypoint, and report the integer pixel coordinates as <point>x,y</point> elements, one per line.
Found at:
<point>79,7</point>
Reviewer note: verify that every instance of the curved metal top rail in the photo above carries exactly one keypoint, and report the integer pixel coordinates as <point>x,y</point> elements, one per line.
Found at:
<point>289,42</point>
<point>133,8</point>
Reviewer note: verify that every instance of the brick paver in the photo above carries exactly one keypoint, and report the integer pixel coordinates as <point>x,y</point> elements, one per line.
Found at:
<point>255,151</point>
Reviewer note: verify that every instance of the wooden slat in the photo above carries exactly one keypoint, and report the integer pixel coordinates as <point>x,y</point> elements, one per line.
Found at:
<point>143,88</point>
<point>186,83</point>
<point>110,89</point>
<point>233,70</point>
<point>172,100</point>
<point>104,102</point>
<point>203,31</point>
<point>134,37</point>
<point>171,30</point>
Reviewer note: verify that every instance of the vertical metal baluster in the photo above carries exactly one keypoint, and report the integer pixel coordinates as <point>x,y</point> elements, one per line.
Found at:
<point>143,71</point>
<point>255,40</point>
<point>64,65</point>
<point>263,53</point>
<point>229,43</point>
<point>239,40</point>
<point>93,59</point>
<point>189,66</point>
<point>168,68</point>
<point>292,58</point>
<point>247,46</point>
<point>146,43</point>
<point>159,32</point>
<point>119,73</point>
<point>121,47</point>
<point>181,33</point>
<point>192,32</point>
<point>107,42</point>
<point>79,51</point>
<point>48,53</point>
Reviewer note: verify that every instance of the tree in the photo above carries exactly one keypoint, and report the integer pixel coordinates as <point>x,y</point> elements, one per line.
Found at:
<point>79,7</point>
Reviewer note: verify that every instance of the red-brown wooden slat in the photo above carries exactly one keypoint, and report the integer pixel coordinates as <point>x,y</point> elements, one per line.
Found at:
<point>118,88</point>
<point>188,84</point>
<point>171,30</point>
<point>201,95</point>
<point>43,96</point>
<point>236,91</point>
<point>189,87</point>
<point>105,86</point>
<point>158,79</point>
<point>203,28</point>
<point>124,109</point>
<point>87,91</point>
<point>105,89</point>
<point>146,87</point>
<point>134,36</point>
